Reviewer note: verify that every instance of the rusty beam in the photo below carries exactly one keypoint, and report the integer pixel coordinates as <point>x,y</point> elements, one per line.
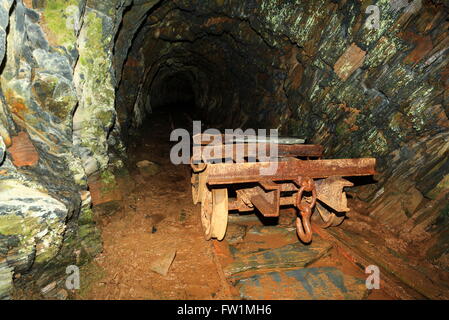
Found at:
<point>229,173</point>
<point>251,150</point>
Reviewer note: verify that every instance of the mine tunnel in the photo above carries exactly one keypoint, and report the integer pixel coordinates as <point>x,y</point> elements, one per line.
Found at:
<point>93,207</point>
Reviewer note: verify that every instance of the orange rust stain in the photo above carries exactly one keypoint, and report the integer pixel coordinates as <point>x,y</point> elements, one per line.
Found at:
<point>345,108</point>
<point>16,104</point>
<point>7,141</point>
<point>28,3</point>
<point>216,20</point>
<point>23,151</point>
<point>350,121</point>
<point>423,45</point>
<point>131,62</point>
<point>350,60</point>
<point>102,193</point>
<point>442,119</point>
<point>298,72</point>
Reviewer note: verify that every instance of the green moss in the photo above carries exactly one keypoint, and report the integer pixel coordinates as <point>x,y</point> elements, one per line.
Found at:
<point>384,50</point>
<point>86,230</point>
<point>16,225</point>
<point>55,20</point>
<point>105,117</point>
<point>90,274</point>
<point>86,216</point>
<point>108,181</point>
<point>107,177</point>
<point>47,254</point>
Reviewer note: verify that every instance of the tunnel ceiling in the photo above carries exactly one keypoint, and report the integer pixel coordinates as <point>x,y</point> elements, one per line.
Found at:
<point>78,77</point>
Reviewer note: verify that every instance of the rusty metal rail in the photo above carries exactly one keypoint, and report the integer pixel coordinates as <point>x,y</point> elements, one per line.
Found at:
<point>252,150</point>
<point>230,173</point>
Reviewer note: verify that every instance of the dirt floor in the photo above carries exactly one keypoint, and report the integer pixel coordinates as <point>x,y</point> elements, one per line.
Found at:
<point>150,225</point>
<point>156,220</point>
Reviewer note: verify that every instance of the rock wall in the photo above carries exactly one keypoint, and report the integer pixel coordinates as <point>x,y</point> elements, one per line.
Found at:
<point>57,115</point>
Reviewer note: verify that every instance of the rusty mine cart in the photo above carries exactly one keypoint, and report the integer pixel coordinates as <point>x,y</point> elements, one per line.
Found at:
<point>303,180</point>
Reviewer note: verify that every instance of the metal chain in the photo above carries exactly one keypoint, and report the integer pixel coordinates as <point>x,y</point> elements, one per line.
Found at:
<point>303,223</point>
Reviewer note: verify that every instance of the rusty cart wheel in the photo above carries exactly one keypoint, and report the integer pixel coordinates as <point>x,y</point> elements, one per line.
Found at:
<point>214,213</point>
<point>206,213</point>
<point>198,187</point>
<point>330,219</point>
<point>219,213</point>
<point>195,182</point>
<point>196,197</point>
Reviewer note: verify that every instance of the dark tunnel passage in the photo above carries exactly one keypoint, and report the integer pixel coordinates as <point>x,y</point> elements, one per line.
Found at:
<point>175,92</point>
<point>91,91</point>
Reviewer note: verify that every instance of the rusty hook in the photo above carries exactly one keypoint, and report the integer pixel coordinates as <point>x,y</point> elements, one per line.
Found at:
<point>304,231</point>
<point>303,223</point>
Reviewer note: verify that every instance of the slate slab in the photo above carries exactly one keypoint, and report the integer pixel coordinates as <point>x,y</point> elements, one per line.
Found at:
<point>325,283</point>
<point>289,256</point>
<point>162,264</point>
<point>235,233</point>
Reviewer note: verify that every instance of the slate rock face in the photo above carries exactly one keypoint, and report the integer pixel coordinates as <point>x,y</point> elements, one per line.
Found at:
<point>32,226</point>
<point>289,256</point>
<point>2,150</point>
<point>44,176</point>
<point>325,283</point>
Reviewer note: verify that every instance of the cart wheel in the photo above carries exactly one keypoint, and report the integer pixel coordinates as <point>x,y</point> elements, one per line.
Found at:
<point>220,213</point>
<point>195,188</point>
<point>206,213</point>
<point>214,213</point>
<point>198,187</point>
<point>330,219</point>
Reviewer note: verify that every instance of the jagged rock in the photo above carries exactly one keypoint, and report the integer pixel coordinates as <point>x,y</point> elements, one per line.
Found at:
<point>33,223</point>
<point>163,262</point>
<point>78,76</point>
<point>2,150</point>
<point>6,278</point>
<point>148,168</point>
<point>235,233</point>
